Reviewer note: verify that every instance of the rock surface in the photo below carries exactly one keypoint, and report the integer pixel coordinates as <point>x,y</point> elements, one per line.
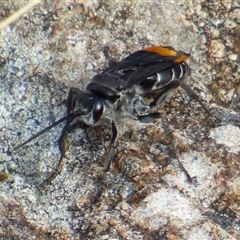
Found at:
<point>145,195</point>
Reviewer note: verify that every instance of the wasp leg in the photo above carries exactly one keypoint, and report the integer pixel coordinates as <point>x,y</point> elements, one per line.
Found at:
<point>62,141</point>
<point>72,99</point>
<point>63,145</point>
<point>194,96</point>
<point>162,96</point>
<point>71,103</point>
<point>166,124</point>
<point>49,180</point>
<point>165,93</point>
<point>149,118</point>
<point>113,141</point>
<point>226,116</point>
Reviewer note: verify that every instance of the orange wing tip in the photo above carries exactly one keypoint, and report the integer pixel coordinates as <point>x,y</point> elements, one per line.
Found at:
<point>163,51</point>
<point>182,57</point>
<point>168,52</point>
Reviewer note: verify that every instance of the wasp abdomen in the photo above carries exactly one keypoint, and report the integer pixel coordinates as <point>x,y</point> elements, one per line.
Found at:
<point>165,77</point>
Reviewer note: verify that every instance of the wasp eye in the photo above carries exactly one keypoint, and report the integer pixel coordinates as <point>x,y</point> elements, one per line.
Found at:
<point>98,110</point>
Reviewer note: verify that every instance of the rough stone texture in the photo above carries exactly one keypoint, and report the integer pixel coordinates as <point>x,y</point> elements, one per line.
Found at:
<point>145,195</point>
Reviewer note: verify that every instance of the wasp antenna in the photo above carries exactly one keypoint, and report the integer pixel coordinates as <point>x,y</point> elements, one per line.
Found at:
<point>73,115</point>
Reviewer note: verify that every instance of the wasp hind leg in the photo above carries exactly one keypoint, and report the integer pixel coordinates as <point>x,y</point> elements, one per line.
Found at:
<point>173,153</point>
<point>165,93</point>
<point>149,118</point>
<point>194,96</point>
<point>161,97</point>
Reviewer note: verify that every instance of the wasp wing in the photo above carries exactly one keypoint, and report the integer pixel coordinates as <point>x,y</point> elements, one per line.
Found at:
<point>139,66</point>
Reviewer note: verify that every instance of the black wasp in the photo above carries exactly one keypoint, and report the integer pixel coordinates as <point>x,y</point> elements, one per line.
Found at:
<point>123,90</point>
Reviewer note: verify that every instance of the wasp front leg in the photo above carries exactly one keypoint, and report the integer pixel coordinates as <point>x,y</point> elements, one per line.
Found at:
<point>72,99</point>
<point>71,103</point>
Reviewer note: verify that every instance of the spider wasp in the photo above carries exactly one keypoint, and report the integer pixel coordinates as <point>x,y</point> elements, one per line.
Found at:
<point>120,91</point>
